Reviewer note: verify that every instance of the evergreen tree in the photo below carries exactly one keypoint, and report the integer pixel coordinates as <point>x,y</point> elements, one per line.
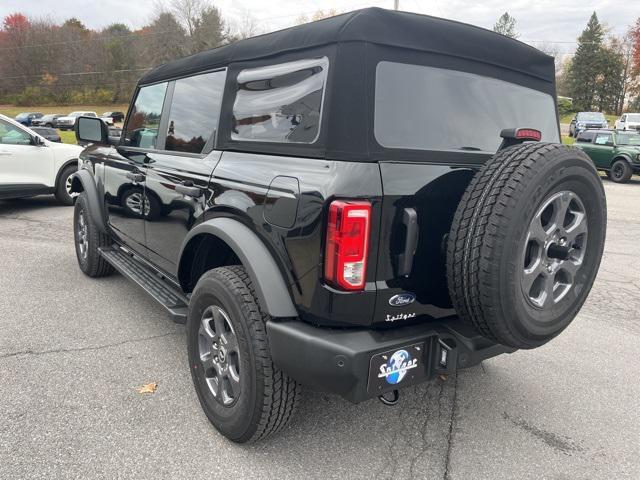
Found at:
<point>506,25</point>
<point>587,65</point>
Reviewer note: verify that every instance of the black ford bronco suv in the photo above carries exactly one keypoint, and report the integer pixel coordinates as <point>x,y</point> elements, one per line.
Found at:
<point>358,204</point>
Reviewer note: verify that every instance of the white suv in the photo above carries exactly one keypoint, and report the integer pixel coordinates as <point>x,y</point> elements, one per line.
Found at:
<point>31,165</point>
<point>628,121</point>
<point>69,121</point>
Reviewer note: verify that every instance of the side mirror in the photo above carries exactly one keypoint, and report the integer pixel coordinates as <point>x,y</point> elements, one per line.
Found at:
<point>37,141</point>
<point>609,144</point>
<point>91,130</point>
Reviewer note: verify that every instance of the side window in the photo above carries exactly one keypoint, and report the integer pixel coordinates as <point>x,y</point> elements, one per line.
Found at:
<point>280,103</point>
<point>603,138</point>
<point>144,118</point>
<point>194,113</point>
<point>586,137</point>
<point>12,135</point>
<point>623,119</point>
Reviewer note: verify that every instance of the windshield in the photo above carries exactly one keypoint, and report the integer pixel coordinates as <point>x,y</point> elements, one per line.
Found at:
<point>633,117</point>
<point>427,108</point>
<point>596,116</point>
<point>628,139</point>
<point>20,116</point>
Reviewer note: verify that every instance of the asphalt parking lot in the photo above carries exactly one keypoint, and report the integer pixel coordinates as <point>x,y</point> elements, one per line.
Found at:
<point>73,350</point>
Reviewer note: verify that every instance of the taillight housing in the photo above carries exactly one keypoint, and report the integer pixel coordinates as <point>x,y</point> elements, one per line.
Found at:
<point>347,245</point>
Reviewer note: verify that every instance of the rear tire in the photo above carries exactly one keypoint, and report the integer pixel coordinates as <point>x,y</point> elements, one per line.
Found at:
<point>88,239</point>
<point>244,395</point>
<point>620,171</point>
<point>526,242</point>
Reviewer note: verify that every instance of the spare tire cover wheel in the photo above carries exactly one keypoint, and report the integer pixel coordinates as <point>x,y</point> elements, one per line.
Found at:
<point>526,242</point>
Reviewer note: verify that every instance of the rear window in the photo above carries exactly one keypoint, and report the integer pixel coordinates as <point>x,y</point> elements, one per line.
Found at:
<point>280,103</point>
<point>427,108</point>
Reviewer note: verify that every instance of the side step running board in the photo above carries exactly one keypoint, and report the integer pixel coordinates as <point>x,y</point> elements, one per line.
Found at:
<point>160,289</point>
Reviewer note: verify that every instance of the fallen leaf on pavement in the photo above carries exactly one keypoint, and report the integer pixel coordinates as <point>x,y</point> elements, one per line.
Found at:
<point>148,388</point>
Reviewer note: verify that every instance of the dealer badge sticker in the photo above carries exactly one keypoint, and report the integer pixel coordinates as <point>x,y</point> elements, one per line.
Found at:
<point>395,369</point>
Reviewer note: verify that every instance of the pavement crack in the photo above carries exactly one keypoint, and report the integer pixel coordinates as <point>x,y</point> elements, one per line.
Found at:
<point>452,422</point>
<point>83,349</point>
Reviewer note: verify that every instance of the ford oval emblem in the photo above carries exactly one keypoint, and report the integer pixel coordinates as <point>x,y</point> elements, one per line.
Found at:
<point>402,299</point>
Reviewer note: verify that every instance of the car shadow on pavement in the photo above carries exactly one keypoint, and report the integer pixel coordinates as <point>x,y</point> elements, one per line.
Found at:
<point>22,205</point>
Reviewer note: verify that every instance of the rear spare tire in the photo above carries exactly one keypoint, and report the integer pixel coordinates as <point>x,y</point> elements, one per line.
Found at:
<point>526,242</point>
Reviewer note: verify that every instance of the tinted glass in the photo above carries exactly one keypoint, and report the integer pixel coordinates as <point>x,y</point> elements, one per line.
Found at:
<point>586,137</point>
<point>628,139</point>
<point>12,135</point>
<point>280,103</point>
<point>194,112</point>
<point>144,119</point>
<point>426,108</point>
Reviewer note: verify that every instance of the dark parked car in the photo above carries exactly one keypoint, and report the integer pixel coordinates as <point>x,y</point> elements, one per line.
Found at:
<point>359,204</point>
<point>586,120</point>
<point>48,120</point>
<point>615,152</point>
<point>50,134</point>
<point>26,118</point>
<point>115,116</point>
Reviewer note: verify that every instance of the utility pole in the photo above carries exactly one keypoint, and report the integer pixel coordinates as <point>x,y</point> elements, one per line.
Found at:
<point>396,4</point>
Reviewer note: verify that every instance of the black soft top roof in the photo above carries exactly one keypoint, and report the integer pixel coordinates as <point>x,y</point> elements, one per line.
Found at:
<point>374,26</point>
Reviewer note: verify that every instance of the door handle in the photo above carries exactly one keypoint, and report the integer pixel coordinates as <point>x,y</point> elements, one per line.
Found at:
<point>405,259</point>
<point>189,190</point>
<point>136,177</point>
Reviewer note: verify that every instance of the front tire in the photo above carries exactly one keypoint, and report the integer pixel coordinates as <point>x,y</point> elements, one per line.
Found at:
<point>244,395</point>
<point>88,239</point>
<point>63,188</point>
<point>620,171</point>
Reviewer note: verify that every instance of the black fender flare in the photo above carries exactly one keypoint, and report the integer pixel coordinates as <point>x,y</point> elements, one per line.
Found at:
<point>622,156</point>
<point>82,181</point>
<point>265,275</point>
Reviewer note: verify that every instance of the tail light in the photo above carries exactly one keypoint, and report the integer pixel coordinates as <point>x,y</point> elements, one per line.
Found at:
<point>345,261</point>
<point>528,134</point>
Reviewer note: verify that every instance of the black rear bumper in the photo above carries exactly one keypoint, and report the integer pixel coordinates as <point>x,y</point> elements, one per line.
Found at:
<point>344,361</point>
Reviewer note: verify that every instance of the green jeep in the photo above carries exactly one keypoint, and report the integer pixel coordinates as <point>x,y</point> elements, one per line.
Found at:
<point>617,153</point>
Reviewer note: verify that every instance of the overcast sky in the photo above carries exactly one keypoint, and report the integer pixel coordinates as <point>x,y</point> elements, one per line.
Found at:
<point>542,20</point>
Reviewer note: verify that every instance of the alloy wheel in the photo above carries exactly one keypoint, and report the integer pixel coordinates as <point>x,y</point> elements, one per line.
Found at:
<point>82,235</point>
<point>219,354</point>
<point>67,186</point>
<point>554,249</point>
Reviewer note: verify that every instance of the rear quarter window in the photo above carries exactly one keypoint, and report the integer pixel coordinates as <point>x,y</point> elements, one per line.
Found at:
<point>280,103</point>
<point>427,108</point>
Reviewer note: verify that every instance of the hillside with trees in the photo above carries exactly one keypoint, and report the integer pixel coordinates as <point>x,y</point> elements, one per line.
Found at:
<point>42,62</point>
